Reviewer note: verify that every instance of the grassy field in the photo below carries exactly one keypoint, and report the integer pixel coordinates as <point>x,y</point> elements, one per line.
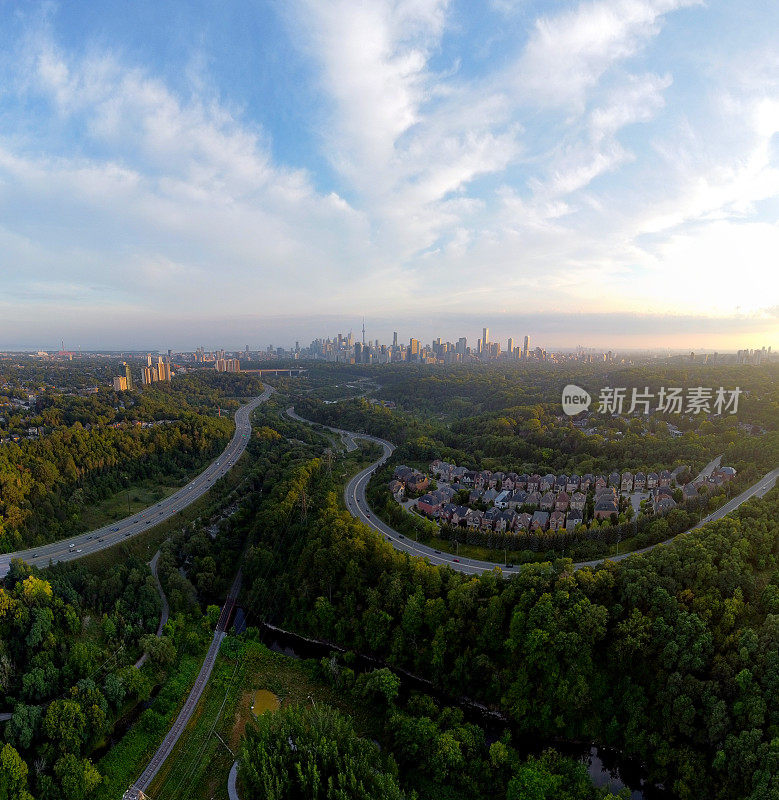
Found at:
<point>145,544</point>
<point>135,498</point>
<point>125,761</point>
<point>197,768</point>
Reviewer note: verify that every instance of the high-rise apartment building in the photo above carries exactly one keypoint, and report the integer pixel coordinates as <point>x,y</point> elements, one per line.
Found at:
<point>120,384</point>
<point>227,365</point>
<point>128,374</point>
<point>526,347</point>
<point>485,337</point>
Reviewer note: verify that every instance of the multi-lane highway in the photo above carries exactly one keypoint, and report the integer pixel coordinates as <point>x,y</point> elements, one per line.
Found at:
<point>86,543</point>
<point>356,502</point>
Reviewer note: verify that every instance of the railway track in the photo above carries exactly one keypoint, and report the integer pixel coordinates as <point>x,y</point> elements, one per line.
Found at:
<point>138,789</point>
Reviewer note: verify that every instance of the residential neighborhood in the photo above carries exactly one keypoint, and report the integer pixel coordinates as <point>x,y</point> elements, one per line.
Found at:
<point>456,496</point>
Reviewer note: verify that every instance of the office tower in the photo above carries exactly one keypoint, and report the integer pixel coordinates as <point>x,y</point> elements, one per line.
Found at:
<point>485,337</point>
<point>413,349</point>
<point>128,375</point>
<point>511,345</point>
<point>357,353</point>
<point>395,339</point>
<point>526,347</point>
<point>462,345</point>
<point>478,346</point>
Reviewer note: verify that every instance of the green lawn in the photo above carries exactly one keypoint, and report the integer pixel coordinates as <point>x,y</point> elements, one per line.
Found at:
<point>136,498</point>
<point>146,543</point>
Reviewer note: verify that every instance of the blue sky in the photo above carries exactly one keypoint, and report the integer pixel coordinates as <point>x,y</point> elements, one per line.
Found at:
<point>601,172</point>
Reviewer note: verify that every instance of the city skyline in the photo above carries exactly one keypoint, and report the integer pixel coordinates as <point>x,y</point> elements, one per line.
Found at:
<point>607,168</point>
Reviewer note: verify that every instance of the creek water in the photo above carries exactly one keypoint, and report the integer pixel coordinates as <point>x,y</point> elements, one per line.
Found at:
<point>607,767</point>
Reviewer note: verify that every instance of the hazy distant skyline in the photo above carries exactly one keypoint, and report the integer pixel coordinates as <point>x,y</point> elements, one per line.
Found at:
<point>603,173</point>
<point>549,331</point>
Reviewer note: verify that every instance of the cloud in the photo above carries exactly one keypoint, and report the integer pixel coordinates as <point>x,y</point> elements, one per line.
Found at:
<point>568,53</point>
<point>575,164</point>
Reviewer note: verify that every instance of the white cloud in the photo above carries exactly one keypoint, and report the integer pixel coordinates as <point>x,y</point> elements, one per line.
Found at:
<point>571,174</point>
<point>568,53</point>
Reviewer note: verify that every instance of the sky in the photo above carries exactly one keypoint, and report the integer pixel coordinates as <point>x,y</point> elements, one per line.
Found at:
<point>603,173</point>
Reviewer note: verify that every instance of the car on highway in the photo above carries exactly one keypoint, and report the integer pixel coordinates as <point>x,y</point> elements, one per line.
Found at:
<point>437,552</point>
<point>114,529</point>
<point>456,559</point>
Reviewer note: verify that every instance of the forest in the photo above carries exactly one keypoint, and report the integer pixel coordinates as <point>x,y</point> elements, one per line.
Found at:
<point>670,657</point>
<point>95,446</point>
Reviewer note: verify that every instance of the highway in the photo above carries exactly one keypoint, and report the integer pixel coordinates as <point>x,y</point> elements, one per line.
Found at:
<point>87,543</point>
<point>356,502</point>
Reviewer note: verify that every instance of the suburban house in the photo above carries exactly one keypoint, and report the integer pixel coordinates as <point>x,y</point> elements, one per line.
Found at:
<point>626,482</point>
<point>502,498</point>
<point>651,480</point>
<point>556,520</point>
<point>614,479</point>
<point>689,491</point>
<point>518,498</point>
<point>572,484</point>
<point>663,503</point>
<point>578,501</point>
<point>664,478</point>
<point>474,519</point>
<point>676,474</point>
<point>573,519</point>
<point>489,495</point>
<point>562,502</point>
<point>523,521</point>
<point>397,489</point>
<point>540,521</point>
<point>547,501</point>
<point>533,499</point>
<point>639,482</point>
<point>429,504</point>
<point>605,506</point>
